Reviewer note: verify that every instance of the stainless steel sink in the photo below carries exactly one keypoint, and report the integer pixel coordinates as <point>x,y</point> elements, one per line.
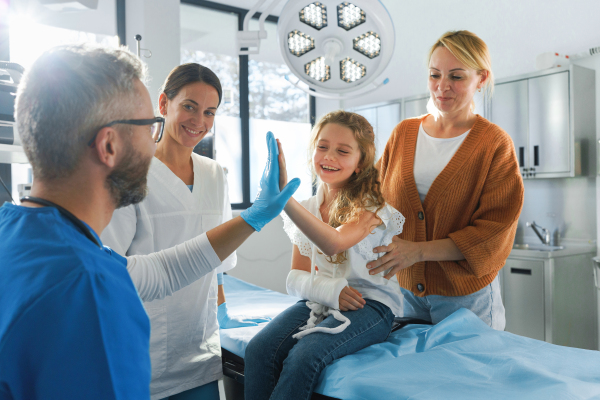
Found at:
<point>537,247</point>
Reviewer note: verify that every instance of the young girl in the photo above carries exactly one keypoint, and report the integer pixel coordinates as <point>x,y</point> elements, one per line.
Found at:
<point>345,309</point>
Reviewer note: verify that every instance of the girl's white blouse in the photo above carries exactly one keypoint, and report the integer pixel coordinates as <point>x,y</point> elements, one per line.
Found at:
<point>354,269</point>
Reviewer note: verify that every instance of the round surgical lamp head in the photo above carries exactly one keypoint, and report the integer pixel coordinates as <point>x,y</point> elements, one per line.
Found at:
<point>335,46</point>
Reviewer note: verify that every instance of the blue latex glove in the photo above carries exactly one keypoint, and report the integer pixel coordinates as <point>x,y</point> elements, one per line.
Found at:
<point>227,322</point>
<point>269,200</point>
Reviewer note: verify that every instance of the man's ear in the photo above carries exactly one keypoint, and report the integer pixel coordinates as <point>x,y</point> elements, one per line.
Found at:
<point>108,143</point>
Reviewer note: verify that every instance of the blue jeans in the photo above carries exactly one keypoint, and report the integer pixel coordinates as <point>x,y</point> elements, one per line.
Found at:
<point>278,366</point>
<point>485,303</point>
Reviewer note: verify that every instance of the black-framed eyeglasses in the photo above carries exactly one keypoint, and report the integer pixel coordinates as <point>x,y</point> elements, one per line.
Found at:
<point>156,129</point>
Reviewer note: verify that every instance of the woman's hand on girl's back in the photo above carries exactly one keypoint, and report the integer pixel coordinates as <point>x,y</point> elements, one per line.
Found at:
<point>400,254</point>
<point>350,299</point>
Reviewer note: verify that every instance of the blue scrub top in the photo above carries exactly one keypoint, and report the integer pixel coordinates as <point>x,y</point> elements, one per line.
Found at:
<point>72,325</point>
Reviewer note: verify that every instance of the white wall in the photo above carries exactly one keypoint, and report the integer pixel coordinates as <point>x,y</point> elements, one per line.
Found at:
<point>515,33</point>
<point>157,21</point>
<point>265,258</point>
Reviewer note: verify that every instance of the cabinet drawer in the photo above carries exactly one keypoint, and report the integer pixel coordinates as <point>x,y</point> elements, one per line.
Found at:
<point>524,298</point>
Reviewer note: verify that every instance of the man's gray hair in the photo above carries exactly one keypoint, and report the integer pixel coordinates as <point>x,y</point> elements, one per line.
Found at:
<point>66,96</point>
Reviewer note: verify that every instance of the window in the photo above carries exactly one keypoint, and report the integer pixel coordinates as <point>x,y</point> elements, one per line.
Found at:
<point>35,29</point>
<point>256,98</point>
<point>208,38</point>
<point>279,107</point>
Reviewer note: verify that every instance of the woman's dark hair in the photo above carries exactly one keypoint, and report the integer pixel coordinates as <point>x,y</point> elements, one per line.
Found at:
<point>189,73</point>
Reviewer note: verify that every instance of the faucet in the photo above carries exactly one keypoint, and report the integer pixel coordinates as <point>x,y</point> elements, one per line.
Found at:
<point>545,238</point>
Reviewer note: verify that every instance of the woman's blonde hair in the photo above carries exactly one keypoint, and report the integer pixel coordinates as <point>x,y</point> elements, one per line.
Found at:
<point>470,50</point>
<point>363,190</point>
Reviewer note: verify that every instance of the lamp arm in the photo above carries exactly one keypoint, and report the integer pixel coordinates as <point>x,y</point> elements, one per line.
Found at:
<point>264,16</point>
<point>371,87</point>
<point>251,13</point>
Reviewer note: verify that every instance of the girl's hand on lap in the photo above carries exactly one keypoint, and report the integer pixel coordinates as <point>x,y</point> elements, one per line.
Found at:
<point>350,299</point>
<point>400,254</point>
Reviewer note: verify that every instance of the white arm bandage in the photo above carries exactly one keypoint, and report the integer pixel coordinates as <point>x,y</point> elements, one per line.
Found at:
<point>323,290</point>
<point>160,274</point>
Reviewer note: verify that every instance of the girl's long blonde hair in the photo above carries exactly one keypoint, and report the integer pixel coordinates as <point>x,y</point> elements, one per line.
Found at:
<point>363,190</point>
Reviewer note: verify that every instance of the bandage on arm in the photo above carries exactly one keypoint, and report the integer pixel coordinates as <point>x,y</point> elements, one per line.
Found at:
<point>323,290</point>
<point>160,274</point>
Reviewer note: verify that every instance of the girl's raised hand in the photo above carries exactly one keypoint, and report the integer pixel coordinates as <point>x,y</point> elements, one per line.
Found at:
<point>282,167</point>
<point>350,299</point>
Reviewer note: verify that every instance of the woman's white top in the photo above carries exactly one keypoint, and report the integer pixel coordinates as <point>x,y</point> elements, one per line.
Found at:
<point>354,269</point>
<point>431,157</point>
<point>185,349</point>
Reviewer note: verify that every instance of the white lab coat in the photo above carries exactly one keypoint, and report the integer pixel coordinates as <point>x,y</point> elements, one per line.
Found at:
<point>185,349</point>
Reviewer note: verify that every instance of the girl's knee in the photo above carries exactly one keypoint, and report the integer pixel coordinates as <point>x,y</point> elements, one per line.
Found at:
<point>256,348</point>
<point>304,357</point>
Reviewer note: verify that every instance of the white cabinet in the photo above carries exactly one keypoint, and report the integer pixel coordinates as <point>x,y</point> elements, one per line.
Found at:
<point>549,136</point>
<point>551,118</point>
<point>509,111</point>
<point>383,118</point>
<point>415,106</point>
<point>551,298</point>
<point>523,290</point>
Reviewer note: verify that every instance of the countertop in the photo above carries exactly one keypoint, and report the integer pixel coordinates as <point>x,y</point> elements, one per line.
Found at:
<point>570,249</point>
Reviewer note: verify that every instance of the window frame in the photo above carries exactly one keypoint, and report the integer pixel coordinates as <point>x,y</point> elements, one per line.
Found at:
<point>244,94</point>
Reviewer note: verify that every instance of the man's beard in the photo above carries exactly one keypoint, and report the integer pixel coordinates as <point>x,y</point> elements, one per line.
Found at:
<point>128,181</point>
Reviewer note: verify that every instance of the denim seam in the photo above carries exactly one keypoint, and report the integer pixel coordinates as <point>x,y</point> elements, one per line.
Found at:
<point>491,306</point>
<point>277,350</point>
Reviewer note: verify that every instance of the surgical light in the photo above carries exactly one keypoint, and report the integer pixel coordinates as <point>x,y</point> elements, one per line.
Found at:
<point>315,15</point>
<point>318,70</point>
<point>300,43</point>
<point>350,16</point>
<point>329,60</point>
<point>351,70</point>
<point>368,44</point>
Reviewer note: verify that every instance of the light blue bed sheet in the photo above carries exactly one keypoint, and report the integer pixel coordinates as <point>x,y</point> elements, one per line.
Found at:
<point>459,358</point>
<point>246,299</point>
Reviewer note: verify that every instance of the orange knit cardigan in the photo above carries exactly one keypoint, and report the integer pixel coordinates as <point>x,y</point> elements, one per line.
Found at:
<point>475,201</point>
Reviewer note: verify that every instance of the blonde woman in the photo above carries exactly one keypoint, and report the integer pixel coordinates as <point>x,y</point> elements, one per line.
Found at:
<point>455,177</point>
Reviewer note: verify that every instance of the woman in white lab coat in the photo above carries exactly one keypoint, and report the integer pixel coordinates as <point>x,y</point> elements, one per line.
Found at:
<point>187,195</point>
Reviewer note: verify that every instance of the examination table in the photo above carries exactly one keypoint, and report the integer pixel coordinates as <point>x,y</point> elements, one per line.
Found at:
<point>459,358</point>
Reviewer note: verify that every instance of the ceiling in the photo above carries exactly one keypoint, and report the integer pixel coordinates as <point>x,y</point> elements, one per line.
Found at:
<point>247,4</point>
<point>515,32</point>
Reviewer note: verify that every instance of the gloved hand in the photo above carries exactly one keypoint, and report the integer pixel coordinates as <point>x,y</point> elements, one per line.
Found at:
<point>269,200</point>
<point>227,322</point>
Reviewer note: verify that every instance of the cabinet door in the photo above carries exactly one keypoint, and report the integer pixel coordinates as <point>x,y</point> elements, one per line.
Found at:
<point>549,135</point>
<point>371,115</point>
<point>509,112</point>
<point>524,298</point>
<point>387,119</point>
<point>414,108</point>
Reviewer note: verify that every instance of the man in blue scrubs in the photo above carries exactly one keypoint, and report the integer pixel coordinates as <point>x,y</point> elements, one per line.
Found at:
<point>72,325</point>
